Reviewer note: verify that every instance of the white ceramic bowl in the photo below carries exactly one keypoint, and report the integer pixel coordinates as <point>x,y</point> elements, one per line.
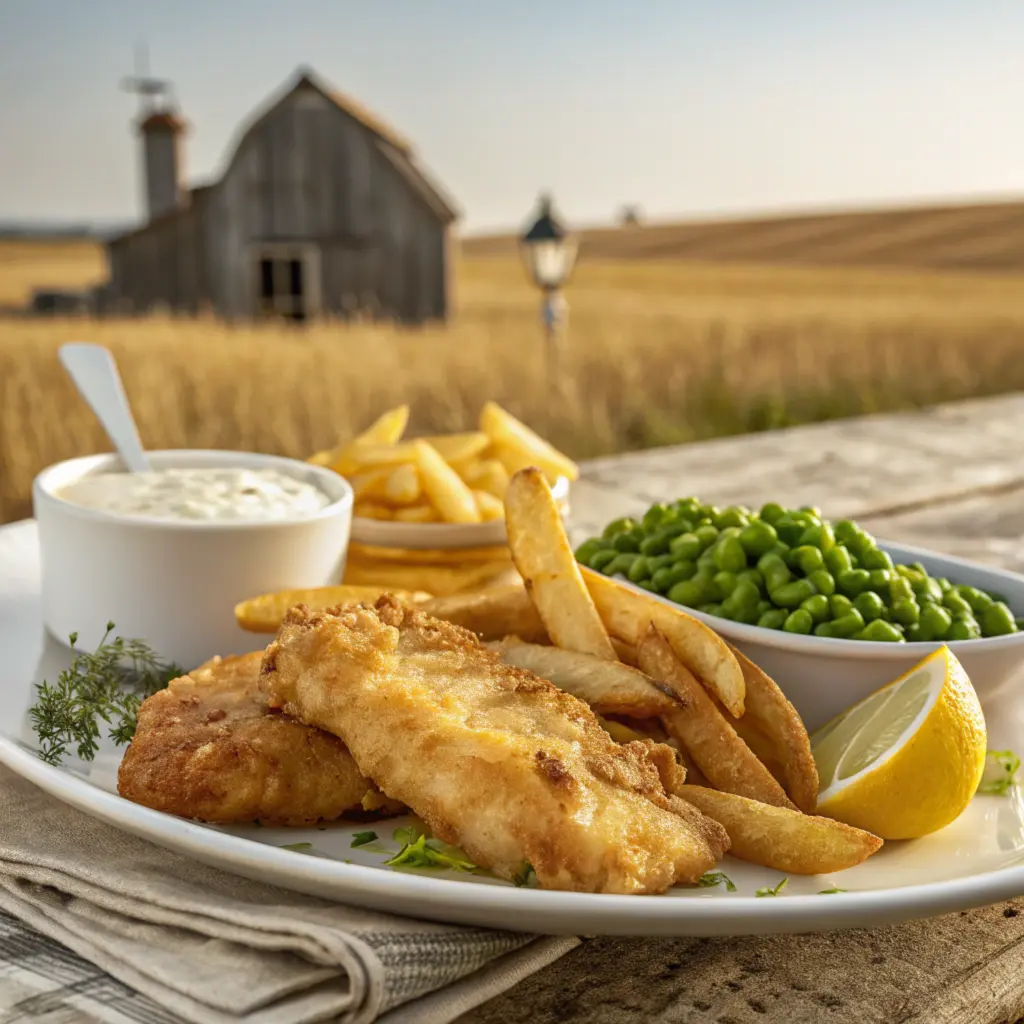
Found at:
<point>174,583</point>
<point>383,533</point>
<point>823,676</point>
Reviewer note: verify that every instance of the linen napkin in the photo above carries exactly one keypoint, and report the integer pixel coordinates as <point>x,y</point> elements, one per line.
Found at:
<point>215,948</point>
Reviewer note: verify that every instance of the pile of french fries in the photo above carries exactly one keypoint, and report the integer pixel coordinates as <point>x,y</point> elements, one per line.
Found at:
<point>448,478</point>
<point>651,672</point>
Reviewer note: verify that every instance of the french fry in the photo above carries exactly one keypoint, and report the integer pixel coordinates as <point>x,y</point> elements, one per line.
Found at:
<point>372,510</point>
<point>768,710</point>
<point>626,652</point>
<point>459,447</point>
<point>492,613</point>
<point>449,495</point>
<point>416,514</point>
<point>505,430</point>
<point>694,775</point>
<point>491,555</point>
<point>489,506</point>
<point>263,614</point>
<point>782,839</point>
<point>541,552</point>
<point>440,580</point>
<point>626,614</point>
<point>386,429</point>
<point>486,475</point>
<point>608,687</point>
<point>725,760</point>
<point>375,456</point>
<point>619,732</point>
<point>402,486</point>
<point>369,485</point>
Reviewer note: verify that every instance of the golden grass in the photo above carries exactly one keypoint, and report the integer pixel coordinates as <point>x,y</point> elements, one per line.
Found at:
<point>657,353</point>
<point>27,265</point>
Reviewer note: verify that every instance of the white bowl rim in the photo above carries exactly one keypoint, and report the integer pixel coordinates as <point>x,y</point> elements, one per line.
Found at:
<point>801,643</point>
<point>336,487</point>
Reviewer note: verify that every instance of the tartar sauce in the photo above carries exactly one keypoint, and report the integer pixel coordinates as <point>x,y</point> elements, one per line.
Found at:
<point>261,495</point>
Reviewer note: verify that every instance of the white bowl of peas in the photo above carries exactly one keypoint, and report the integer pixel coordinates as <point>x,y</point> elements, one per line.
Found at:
<point>826,609</point>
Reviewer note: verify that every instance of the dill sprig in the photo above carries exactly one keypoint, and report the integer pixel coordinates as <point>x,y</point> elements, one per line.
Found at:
<point>107,685</point>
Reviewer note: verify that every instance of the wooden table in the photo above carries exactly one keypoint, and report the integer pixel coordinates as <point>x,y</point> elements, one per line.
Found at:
<point>951,478</point>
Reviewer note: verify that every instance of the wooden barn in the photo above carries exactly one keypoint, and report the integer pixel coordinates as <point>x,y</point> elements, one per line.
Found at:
<point>321,211</point>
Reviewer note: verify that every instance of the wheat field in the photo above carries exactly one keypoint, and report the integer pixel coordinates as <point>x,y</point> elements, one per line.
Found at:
<point>657,352</point>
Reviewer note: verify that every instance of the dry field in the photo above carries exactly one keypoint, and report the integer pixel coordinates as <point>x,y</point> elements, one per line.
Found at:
<point>658,352</point>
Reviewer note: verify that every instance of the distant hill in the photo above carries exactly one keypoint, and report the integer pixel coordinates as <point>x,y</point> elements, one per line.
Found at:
<point>981,237</point>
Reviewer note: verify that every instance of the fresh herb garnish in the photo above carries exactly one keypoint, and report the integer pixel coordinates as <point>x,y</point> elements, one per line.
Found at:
<point>769,891</point>
<point>408,834</point>
<point>298,847</point>
<point>108,684</point>
<point>421,854</point>
<point>1000,776</point>
<point>712,878</point>
<point>525,876</point>
<point>362,838</point>
<point>828,892</point>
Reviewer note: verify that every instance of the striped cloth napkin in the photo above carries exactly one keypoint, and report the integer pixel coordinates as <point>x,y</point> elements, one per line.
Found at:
<point>98,921</point>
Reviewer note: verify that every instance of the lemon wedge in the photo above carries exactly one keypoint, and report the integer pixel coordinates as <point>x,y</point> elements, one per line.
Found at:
<point>906,760</point>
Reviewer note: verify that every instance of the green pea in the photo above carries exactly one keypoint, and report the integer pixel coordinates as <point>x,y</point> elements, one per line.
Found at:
<point>840,605</point>
<point>711,608</point>
<point>729,555</point>
<point>655,515</point>
<point>656,543</point>
<point>977,599</point>
<point>617,526</point>
<point>929,592</point>
<point>758,538</point>
<point>744,597</point>
<point>944,584</point>
<point>588,549</point>
<point>817,606</point>
<point>915,578</point>
<point>639,570</point>
<point>691,592</point>
<point>879,630</point>
<point>964,629</point>
<point>818,535</point>
<point>731,516</point>
<point>824,629</point>
<point>686,545</point>
<point>775,576</point>
<point>754,577</point>
<point>846,530</point>
<point>706,560</point>
<point>1020,621</point>
<point>702,521</point>
<point>870,605</point>
<point>710,512</point>
<point>900,590</point>
<point>798,621</point>
<point>838,560</point>
<point>997,620</point>
<point>853,581</point>
<point>848,625</point>
<point>875,558</point>
<point>956,604</point>
<point>600,561</point>
<point>770,512</point>
<point>707,535</point>
<point>723,584</point>
<point>823,581</point>
<point>621,563</point>
<point>811,510</point>
<point>906,612</point>
<point>879,580</point>
<point>725,612</point>
<point>791,595</point>
<point>657,562</point>
<point>862,543</point>
<point>790,529</point>
<point>770,558</point>
<point>808,559</point>
<point>629,541</point>
<point>934,622</point>
<point>763,607</point>
<point>689,507</point>
<point>648,585</point>
<point>919,568</point>
<point>913,633</point>
<point>773,619</point>
<point>666,578</point>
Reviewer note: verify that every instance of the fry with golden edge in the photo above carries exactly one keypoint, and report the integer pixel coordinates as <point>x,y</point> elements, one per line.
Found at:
<point>541,552</point>
<point>445,488</point>
<point>725,760</point>
<point>490,507</point>
<point>486,475</point>
<point>786,840</point>
<point>402,486</point>
<point>626,614</point>
<point>386,429</point>
<point>492,613</point>
<point>263,614</point>
<point>509,433</point>
<point>459,447</point>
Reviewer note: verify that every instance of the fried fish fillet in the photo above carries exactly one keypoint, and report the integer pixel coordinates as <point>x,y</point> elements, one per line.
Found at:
<point>208,747</point>
<point>494,759</point>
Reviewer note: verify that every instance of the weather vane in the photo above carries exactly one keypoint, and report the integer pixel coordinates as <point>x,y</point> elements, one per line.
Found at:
<point>146,88</point>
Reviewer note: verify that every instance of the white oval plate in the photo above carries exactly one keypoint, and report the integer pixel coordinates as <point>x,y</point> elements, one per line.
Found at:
<point>979,859</point>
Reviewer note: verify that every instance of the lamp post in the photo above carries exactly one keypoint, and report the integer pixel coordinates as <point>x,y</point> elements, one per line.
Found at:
<point>549,254</point>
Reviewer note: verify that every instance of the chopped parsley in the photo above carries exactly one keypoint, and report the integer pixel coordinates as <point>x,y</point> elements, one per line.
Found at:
<point>769,891</point>
<point>525,876</point>
<point>828,892</point>
<point>424,853</point>
<point>712,878</point>
<point>298,847</point>
<point>362,838</point>
<point>1000,776</point>
<point>408,834</point>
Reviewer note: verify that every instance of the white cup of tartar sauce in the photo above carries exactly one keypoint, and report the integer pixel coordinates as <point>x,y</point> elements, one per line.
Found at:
<point>167,555</point>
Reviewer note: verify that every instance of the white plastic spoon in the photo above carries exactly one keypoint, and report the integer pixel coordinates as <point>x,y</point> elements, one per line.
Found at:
<point>94,372</point>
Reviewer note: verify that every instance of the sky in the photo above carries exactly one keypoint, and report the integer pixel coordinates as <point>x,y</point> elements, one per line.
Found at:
<point>686,108</point>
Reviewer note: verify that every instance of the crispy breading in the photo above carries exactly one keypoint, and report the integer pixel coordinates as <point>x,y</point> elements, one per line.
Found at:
<point>208,747</point>
<point>494,759</point>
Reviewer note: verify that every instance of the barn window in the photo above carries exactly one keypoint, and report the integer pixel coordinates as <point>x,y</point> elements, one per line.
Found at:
<point>286,280</point>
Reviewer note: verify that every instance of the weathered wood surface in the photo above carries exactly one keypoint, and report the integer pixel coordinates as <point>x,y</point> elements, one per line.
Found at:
<point>951,478</point>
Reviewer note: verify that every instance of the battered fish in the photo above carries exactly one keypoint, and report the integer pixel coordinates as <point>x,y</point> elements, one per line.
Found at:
<point>208,747</point>
<point>492,758</point>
